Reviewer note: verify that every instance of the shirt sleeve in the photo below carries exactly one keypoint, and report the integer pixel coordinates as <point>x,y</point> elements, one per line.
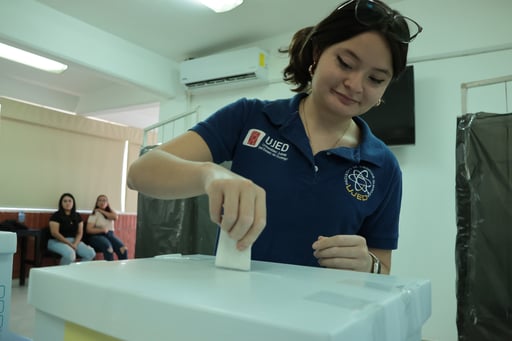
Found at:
<point>223,129</point>
<point>78,217</point>
<point>56,217</point>
<point>381,228</point>
<point>92,219</point>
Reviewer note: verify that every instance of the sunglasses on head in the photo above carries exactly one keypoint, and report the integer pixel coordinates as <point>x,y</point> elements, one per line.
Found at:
<point>369,12</point>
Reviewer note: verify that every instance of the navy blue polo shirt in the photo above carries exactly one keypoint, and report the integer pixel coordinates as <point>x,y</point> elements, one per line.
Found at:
<point>338,191</point>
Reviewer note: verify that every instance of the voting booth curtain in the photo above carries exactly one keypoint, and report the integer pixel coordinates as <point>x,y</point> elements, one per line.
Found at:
<point>484,227</point>
<point>174,226</point>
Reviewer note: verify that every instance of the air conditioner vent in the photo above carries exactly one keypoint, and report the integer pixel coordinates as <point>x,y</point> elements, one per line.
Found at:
<point>223,80</point>
<point>248,66</point>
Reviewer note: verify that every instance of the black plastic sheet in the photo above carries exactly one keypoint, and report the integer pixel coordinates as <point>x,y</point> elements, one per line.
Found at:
<point>173,226</point>
<point>484,227</point>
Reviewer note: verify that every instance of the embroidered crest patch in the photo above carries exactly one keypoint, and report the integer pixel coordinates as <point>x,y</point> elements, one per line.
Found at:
<point>360,182</point>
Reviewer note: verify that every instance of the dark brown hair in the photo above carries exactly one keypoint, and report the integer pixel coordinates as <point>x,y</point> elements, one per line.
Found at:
<point>108,209</point>
<point>61,208</point>
<point>308,43</point>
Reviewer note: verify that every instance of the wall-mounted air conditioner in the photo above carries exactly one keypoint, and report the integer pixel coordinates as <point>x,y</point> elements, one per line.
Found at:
<point>228,69</point>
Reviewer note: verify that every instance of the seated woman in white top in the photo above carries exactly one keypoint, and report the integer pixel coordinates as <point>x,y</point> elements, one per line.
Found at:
<point>100,231</point>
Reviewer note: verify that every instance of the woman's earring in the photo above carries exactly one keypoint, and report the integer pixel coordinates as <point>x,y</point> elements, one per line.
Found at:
<point>311,69</point>
<point>379,102</point>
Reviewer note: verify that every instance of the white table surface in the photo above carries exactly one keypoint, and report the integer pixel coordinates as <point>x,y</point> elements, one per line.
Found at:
<point>178,297</point>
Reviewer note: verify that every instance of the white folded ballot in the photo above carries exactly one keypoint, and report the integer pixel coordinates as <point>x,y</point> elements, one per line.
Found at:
<point>228,256</point>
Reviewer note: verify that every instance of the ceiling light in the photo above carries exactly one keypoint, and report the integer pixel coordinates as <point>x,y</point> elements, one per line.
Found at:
<point>20,56</point>
<point>220,6</point>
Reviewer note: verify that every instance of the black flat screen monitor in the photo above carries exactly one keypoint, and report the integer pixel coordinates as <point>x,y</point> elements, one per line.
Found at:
<point>393,121</point>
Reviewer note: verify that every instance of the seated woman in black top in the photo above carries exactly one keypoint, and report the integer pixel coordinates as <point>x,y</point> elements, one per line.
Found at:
<point>66,231</point>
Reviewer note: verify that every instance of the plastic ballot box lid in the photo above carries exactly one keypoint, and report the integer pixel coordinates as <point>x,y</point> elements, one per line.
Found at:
<point>8,242</point>
<point>188,298</point>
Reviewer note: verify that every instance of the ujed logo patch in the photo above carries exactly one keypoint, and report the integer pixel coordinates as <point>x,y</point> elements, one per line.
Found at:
<point>360,182</point>
<point>254,138</point>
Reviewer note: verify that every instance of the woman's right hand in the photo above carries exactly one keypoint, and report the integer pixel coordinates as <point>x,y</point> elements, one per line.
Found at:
<point>183,168</point>
<point>237,204</point>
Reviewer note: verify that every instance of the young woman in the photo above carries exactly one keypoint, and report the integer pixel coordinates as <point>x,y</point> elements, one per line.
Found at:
<point>66,231</point>
<point>309,183</point>
<point>100,231</point>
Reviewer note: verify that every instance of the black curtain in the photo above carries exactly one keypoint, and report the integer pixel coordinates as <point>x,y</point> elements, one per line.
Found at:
<point>173,226</point>
<point>484,227</point>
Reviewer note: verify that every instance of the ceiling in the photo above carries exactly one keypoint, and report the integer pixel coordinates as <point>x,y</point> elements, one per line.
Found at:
<point>174,29</point>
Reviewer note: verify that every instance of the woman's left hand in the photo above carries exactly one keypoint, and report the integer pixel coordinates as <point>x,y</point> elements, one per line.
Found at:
<point>74,245</point>
<point>347,252</point>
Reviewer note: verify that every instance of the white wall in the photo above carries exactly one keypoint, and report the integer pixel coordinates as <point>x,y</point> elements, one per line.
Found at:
<point>463,28</point>
<point>428,221</point>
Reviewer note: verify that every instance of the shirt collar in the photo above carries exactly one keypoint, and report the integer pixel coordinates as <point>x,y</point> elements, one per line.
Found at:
<point>281,112</point>
<point>284,112</point>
